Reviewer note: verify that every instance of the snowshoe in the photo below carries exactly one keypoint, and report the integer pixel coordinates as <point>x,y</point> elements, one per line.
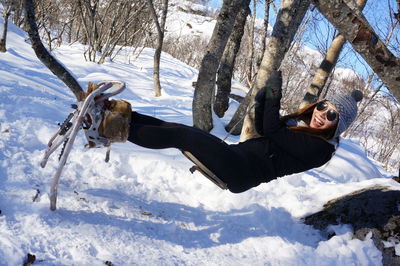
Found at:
<point>104,122</point>
<point>199,166</point>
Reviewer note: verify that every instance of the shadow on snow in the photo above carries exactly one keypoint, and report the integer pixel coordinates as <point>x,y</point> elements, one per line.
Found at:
<point>196,227</point>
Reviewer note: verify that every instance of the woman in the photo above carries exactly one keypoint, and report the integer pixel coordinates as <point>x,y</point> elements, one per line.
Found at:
<point>292,144</point>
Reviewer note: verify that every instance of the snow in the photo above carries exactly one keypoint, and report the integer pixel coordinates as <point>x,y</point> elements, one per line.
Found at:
<point>187,19</point>
<point>144,207</point>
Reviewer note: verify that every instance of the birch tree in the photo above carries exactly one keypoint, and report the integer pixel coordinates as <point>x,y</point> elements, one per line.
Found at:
<point>326,66</point>
<point>366,108</point>
<point>235,126</point>
<point>355,28</point>
<point>160,27</point>
<point>265,32</point>
<point>204,90</point>
<point>225,71</point>
<point>290,15</point>
<point>6,14</point>
<point>236,123</point>
<point>251,45</point>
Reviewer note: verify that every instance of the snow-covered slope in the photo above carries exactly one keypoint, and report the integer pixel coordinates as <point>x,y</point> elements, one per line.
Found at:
<point>188,18</point>
<point>144,207</point>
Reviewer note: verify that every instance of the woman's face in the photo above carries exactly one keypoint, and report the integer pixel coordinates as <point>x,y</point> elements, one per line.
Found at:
<point>325,115</point>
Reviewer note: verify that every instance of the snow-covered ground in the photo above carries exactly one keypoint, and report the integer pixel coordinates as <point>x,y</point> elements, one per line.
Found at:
<point>144,207</point>
<point>186,18</point>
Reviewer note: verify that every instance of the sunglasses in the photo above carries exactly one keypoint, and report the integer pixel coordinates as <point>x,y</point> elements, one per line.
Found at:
<point>331,115</point>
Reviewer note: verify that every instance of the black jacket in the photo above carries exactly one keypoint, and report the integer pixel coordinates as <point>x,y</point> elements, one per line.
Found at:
<point>282,151</point>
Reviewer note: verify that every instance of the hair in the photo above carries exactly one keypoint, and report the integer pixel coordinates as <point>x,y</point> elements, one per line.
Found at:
<point>305,115</point>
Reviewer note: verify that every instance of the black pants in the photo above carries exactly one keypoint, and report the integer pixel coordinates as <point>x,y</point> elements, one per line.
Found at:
<point>236,165</point>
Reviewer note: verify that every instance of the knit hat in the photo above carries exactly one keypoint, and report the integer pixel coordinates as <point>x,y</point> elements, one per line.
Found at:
<point>347,107</point>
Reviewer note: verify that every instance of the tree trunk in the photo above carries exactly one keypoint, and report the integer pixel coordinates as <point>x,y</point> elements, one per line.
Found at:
<point>18,8</point>
<point>326,66</point>
<point>356,29</point>
<point>288,20</point>
<point>236,123</point>
<point>203,93</point>
<point>6,15</point>
<point>160,26</point>
<point>251,46</point>
<point>360,118</point>
<point>265,33</point>
<point>44,56</point>
<point>225,71</point>
<point>156,67</point>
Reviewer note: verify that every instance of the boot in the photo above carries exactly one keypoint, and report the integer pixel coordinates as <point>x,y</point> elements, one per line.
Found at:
<point>107,121</point>
<point>115,124</point>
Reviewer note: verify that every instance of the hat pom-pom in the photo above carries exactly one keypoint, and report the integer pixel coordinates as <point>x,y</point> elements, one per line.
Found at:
<point>357,95</point>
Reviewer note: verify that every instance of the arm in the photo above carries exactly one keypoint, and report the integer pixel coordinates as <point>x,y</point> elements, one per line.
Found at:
<point>268,124</point>
<point>271,92</point>
<point>299,145</point>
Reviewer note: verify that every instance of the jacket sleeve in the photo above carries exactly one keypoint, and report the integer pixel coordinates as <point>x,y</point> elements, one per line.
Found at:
<point>301,146</point>
<point>272,91</point>
<point>259,112</point>
<point>270,117</point>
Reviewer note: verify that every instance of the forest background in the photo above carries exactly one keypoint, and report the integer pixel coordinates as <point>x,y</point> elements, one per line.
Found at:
<point>107,26</point>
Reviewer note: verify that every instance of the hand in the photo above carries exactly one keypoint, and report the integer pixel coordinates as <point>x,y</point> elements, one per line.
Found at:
<point>273,88</point>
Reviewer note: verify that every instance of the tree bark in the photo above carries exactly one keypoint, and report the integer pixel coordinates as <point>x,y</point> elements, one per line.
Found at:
<point>265,33</point>
<point>326,66</point>
<point>288,21</point>
<point>18,9</point>
<point>203,93</point>
<point>88,14</point>
<point>360,118</point>
<point>45,57</point>
<point>160,26</point>
<point>251,45</point>
<point>356,29</point>
<point>225,71</point>
<point>6,15</point>
<point>236,123</point>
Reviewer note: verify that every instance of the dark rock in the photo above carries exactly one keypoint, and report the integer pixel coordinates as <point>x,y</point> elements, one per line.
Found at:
<point>30,259</point>
<point>373,209</point>
<point>397,179</point>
